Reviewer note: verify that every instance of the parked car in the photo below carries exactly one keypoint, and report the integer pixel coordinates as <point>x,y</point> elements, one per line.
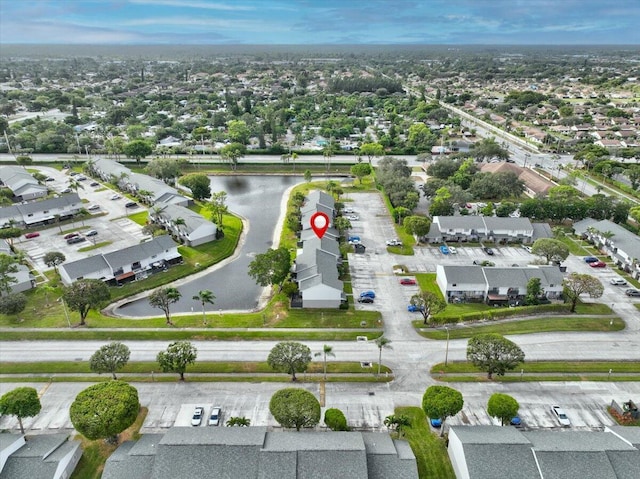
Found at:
<point>81,178</point>
<point>50,178</point>
<point>394,242</point>
<point>368,294</point>
<point>527,248</point>
<point>348,209</point>
<point>489,251</point>
<point>412,308</point>
<point>561,415</point>
<point>453,250</point>
<point>93,207</point>
<point>214,419</point>
<point>33,234</point>
<point>618,282</point>
<point>408,281</point>
<point>352,217</point>
<point>73,173</point>
<point>516,421</point>
<point>66,190</point>
<point>115,197</point>
<point>197,416</point>
<point>365,299</point>
<point>444,249</point>
<point>77,239</point>
<point>131,204</point>
<point>94,183</point>
<point>91,233</point>
<point>598,264</point>
<point>71,235</point>
<point>354,239</point>
<point>435,422</point>
<point>590,259</point>
<point>632,292</point>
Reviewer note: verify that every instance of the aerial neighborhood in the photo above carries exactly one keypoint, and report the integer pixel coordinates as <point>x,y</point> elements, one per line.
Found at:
<point>407,263</point>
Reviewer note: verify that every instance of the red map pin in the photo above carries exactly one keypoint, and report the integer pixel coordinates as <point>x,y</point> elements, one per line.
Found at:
<point>319,224</point>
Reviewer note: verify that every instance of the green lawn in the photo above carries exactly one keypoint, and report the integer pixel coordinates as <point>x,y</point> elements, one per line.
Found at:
<point>575,246</point>
<point>139,218</point>
<point>527,326</point>
<point>456,367</point>
<point>430,450</point>
<point>94,246</point>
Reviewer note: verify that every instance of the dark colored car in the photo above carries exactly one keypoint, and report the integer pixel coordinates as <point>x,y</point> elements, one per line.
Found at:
<point>598,264</point>
<point>590,259</point>
<point>489,251</point>
<point>77,239</point>
<point>131,204</point>
<point>365,299</point>
<point>91,233</point>
<point>95,183</point>
<point>34,234</point>
<point>435,422</point>
<point>412,308</point>
<point>632,292</point>
<point>368,294</point>
<point>516,421</point>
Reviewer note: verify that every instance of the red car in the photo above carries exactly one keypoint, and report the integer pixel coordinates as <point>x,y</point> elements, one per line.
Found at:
<point>598,264</point>
<point>35,234</point>
<point>408,281</point>
<point>71,235</point>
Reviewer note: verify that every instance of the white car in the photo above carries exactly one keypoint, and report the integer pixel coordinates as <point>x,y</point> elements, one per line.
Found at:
<point>197,416</point>
<point>618,282</point>
<point>214,419</point>
<point>348,209</point>
<point>115,197</point>
<point>93,207</point>
<point>453,250</point>
<point>394,242</point>
<point>561,415</point>
<point>353,217</point>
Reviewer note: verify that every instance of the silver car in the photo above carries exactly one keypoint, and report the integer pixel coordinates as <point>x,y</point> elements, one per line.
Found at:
<point>214,419</point>
<point>561,415</point>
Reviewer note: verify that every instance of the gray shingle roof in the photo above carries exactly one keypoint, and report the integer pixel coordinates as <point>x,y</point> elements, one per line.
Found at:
<point>127,256</point>
<point>622,238</point>
<point>192,220</point>
<point>39,457</point>
<point>50,204</point>
<point>85,266</point>
<point>464,274</point>
<point>491,461</point>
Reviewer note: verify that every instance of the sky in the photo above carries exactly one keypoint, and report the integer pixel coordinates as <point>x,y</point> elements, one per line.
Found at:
<point>153,22</point>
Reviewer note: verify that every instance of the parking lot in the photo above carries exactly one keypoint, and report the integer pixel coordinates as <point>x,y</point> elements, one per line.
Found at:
<point>109,220</point>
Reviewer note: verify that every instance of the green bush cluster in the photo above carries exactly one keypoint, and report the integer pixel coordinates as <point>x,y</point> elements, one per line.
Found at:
<point>501,313</point>
<point>335,420</point>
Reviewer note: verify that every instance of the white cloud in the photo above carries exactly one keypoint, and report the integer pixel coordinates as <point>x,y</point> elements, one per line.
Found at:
<point>194,4</point>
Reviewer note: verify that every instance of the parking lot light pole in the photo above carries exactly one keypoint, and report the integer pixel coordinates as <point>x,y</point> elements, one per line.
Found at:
<point>446,353</point>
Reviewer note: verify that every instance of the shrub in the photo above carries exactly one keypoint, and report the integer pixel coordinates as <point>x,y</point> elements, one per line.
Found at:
<point>335,420</point>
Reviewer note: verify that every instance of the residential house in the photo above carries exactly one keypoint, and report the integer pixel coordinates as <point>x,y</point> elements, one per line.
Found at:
<point>44,456</point>
<point>488,452</point>
<point>24,280</point>
<point>254,453</point>
<point>21,183</point>
<point>127,264</point>
<point>41,212</point>
<point>534,183</point>
<point>190,227</point>
<point>496,285</point>
<point>620,244</point>
<point>479,228</point>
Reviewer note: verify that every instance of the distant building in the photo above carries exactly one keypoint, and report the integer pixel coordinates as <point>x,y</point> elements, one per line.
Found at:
<point>41,212</point>
<point>21,183</point>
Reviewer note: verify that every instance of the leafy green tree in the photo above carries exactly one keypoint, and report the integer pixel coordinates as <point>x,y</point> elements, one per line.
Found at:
<point>326,351</point>
<point>420,137</point>
<point>239,421</point>
<point>218,207</point>
<point>443,168</point>
<point>441,204</point>
<point>417,225</point>
<point>137,149</point>
<point>371,150</point>
<point>24,160</point>
<point>12,303</point>
<point>441,402</point>
<point>551,249</point>
<point>576,284</point>
<point>20,402</point>
<point>164,168</point>
<point>232,153</point>
<point>307,176</point>
<point>199,184</point>
<point>177,357</point>
<point>163,298</point>
<point>84,295</point>
<point>503,407</point>
<point>335,420</point>
<point>382,343</point>
<point>294,407</point>
<point>8,267</point>
<point>238,131</point>
<point>360,170</point>
<point>534,291</point>
<point>397,423</point>
<point>505,209</point>
<point>53,259</point>
<point>203,297</point>
<point>493,353</point>
<point>428,303</point>
<point>10,234</point>
<point>341,224</point>
<point>104,410</point>
<point>110,358</point>
<point>272,267</point>
<point>290,357</point>
<point>487,149</point>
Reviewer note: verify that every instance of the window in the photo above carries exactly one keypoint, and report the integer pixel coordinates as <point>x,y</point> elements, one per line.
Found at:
<point>136,265</point>
<point>45,212</point>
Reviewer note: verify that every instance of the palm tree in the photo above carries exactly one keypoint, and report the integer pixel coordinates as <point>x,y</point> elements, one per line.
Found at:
<point>294,157</point>
<point>178,222</point>
<point>326,351</point>
<point>382,343</point>
<point>204,296</point>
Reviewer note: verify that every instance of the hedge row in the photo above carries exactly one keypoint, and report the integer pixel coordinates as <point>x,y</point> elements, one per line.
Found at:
<point>501,313</point>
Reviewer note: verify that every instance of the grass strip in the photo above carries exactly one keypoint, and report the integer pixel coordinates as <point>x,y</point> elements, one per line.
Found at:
<point>526,326</point>
<point>210,367</point>
<point>430,449</point>
<point>174,335</point>
<point>533,378</point>
<point>564,367</point>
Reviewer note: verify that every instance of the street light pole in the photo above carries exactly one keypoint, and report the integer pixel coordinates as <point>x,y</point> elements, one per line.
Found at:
<point>446,353</point>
